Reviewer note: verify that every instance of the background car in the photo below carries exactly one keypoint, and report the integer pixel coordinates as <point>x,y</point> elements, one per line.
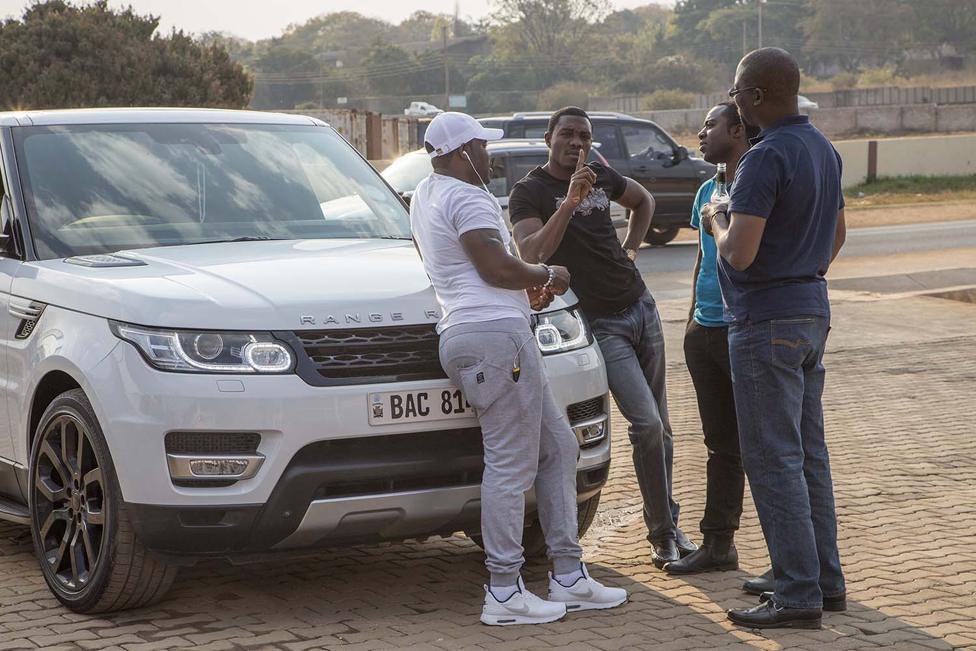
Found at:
<point>421,110</point>
<point>806,103</point>
<point>641,150</point>
<point>511,160</point>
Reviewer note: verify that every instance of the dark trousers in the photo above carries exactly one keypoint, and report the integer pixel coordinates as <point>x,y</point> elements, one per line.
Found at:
<point>778,375</point>
<point>707,357</point>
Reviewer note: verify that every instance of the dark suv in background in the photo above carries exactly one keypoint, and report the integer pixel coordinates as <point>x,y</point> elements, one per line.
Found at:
<point>639,149</point>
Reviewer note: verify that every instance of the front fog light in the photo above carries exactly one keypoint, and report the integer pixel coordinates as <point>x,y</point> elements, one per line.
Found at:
<point>218,467</point>
<point>267,357</point>
<point>591,433</point>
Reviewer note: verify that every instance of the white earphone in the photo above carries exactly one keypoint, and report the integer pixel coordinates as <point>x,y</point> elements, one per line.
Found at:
<point>468,158</point>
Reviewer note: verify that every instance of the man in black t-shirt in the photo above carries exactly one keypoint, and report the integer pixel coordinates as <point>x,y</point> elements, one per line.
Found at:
<point>560,214</point>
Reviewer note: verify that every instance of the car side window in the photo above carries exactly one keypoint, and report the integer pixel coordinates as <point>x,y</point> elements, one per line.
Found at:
<point>609,139</point>
<point>644,141</point>
<point>498,182</point>
<point>536,132</point>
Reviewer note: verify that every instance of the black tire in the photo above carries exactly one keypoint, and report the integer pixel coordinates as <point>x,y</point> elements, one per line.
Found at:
<point>661,235</point>
<point>77,512</point>
<point>534,541</point>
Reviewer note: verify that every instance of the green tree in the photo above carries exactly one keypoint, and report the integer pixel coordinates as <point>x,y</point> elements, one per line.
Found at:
<point>948,22</point>
<point>852,35</point>
<point>62,55</point>
<point>553,38</point>
<point>390,69</point>
<point>285,77</point>
<point>342,31</point>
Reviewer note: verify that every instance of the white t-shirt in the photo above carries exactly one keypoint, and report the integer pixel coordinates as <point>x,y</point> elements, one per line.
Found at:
<point>443,209</point>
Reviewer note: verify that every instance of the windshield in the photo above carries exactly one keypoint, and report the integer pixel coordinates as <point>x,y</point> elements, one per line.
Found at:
<point>99,189</point>
<point>406,172</point>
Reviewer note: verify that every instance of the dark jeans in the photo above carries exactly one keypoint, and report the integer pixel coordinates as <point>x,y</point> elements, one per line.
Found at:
<point>707,357</point>
<point>632,343</point>
<point>778,376</point>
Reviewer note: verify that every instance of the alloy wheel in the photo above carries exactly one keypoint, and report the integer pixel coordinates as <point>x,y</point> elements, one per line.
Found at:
<point>69,503</point>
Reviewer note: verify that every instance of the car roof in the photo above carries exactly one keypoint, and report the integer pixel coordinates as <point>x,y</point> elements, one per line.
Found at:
<point>504,145</point>
<point>545,115</point>
<point>151,115</point>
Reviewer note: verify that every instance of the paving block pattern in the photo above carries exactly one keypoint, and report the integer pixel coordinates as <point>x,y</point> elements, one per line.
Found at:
<point>901,429</point>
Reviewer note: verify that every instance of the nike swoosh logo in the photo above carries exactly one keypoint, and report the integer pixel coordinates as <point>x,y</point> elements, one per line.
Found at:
<point>521,610</point>
<point>589,594</point>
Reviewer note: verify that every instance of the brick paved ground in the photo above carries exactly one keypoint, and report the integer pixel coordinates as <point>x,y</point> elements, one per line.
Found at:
<point>904,451</point>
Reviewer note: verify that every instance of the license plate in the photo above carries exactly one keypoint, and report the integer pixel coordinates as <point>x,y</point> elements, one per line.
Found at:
<point>412,406</point>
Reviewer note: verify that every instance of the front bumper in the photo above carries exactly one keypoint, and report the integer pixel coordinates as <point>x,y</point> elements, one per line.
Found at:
<point>327,476</point>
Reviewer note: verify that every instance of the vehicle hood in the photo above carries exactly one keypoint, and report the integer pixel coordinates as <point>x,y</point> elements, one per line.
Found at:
<point>262,285</point>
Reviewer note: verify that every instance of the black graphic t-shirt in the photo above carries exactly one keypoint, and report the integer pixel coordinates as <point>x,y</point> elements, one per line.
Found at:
<point>602,276</point>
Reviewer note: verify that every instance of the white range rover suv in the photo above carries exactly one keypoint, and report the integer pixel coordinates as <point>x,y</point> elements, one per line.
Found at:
<point>218,340</point>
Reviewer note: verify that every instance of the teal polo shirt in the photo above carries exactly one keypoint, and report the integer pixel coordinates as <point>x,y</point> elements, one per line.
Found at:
<point>709,311</point>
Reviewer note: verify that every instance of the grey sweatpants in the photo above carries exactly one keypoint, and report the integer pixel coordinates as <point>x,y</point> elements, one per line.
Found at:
<point>527,442</point>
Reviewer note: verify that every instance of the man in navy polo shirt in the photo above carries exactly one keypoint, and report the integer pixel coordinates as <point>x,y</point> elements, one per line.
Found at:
<point>776,240</point>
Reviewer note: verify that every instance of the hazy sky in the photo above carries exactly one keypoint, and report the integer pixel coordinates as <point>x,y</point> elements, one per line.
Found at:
<point>255,19</point>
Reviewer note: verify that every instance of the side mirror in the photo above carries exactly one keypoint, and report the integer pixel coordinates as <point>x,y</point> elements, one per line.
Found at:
<point>680,154</point>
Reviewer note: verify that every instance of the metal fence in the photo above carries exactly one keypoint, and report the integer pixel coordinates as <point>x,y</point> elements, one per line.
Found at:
<point>884,96</point>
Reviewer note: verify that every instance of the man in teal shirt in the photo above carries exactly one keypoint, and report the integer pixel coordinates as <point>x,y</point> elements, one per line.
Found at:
<point>723,139</point>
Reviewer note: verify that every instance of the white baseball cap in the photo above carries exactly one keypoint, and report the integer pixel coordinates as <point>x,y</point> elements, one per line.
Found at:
<point>448,131</point>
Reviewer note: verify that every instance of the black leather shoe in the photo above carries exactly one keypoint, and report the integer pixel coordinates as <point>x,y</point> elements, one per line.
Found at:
<point>760,584</point>
<point>683,543</point>
<point>769,615</point>
<point>664,552</point>
<point>836,604</point>
<point>705,559</point>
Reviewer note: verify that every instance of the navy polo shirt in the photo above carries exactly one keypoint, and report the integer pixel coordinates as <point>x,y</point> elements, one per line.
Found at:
<point>790,178</point>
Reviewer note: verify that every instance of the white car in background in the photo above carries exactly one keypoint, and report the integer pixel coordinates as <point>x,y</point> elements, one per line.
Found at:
<point>421,110</point>
<point>805,103</point>
<point>511,160</point>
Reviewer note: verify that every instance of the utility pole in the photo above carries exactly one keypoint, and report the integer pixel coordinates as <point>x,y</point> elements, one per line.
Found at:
<point>447,69</point>
<point>745,40</point>
<point>759,4</point>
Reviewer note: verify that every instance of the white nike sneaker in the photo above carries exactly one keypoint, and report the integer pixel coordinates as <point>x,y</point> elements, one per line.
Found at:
<point>586,594</point>
<point>523,607</point>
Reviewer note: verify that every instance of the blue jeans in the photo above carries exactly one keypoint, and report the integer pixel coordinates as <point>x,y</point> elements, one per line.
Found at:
<point>778,381</point>
<point>632,343</point>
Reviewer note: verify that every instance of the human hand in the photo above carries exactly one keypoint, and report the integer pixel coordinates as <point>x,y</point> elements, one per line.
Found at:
<point>582,181</point>
<point>560,280</point>
<point>631,253</point>
<point>708,212</point>
<point>539,298</point>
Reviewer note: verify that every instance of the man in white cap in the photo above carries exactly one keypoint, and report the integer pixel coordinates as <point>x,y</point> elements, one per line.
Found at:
<point>488,350</point>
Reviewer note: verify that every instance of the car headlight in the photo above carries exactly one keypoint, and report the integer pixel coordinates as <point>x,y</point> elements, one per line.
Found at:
<point>206,351</point>
<point>560,331</point>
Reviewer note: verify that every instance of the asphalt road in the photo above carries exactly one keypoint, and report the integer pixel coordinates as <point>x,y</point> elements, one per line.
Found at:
<point>667,270</point>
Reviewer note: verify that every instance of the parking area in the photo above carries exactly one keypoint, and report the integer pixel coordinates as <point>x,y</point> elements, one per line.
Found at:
<point>903,442</point>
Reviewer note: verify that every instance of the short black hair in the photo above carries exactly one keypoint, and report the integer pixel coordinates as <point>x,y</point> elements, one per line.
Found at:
<point>731,112</point>
<point>566,110</point>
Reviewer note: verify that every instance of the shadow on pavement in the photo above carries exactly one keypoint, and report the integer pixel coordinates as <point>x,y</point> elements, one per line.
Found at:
<point>424,595</point>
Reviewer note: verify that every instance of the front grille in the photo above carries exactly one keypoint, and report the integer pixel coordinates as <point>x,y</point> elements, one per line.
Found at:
<point>207,443</point>
<point>368,355</point>
<point>395,463</point>
<point>582,411</point>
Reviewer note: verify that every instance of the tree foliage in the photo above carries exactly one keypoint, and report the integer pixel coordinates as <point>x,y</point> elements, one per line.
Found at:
<point>63,55</point>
